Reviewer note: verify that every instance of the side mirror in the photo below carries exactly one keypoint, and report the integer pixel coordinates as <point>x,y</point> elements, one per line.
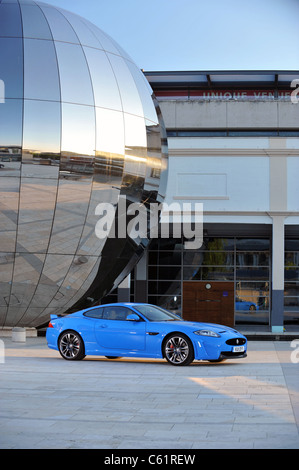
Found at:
<point>133,317</point>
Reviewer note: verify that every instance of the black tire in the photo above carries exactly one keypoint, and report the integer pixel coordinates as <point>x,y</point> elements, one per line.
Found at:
<point>178,350</point>
<point>112,357</point>
<point>71,346</point>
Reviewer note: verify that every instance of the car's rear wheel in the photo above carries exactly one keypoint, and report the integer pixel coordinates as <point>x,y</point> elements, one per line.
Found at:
<point>178,350</point>
<point>71,346</point>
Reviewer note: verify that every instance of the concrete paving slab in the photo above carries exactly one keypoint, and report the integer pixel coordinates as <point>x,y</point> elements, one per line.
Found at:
<point>49,403</point>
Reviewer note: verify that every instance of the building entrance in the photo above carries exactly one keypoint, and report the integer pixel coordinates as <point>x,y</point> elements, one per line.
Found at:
<point>209,302</point>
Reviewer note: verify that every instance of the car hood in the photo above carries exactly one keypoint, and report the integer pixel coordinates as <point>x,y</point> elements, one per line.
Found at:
<point>202,325</point>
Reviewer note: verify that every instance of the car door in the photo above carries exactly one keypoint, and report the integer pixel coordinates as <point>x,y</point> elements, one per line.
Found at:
<point>114,331</point>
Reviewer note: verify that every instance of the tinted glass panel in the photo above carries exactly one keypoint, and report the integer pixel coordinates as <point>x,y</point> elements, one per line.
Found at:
<point>219,244</point>
<point>210,258</point>
<point>252,244</point>
<point>94,313</point>
<point>116,313</point>
<point>252,259</point>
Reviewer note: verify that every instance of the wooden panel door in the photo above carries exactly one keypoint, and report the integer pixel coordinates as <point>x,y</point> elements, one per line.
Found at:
<point>209,302</point>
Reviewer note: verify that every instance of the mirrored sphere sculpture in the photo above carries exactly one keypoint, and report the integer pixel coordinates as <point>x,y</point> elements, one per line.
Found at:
<point>79,126</point>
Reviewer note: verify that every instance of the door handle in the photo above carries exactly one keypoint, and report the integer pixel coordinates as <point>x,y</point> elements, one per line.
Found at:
<point>104,326</point>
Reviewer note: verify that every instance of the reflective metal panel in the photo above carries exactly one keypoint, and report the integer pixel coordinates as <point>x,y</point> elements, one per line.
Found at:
<point>11,60</point>
<point>74,74</point>
<point>41,79</point>
<point>129,94</point>
<point>35,24</point>
<point>10,20</point>
<point>106,92</point>
<point>60,28</point>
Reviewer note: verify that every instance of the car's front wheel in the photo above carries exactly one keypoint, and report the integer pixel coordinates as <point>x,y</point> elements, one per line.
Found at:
<point>71,346</point>
<point>178,350</point>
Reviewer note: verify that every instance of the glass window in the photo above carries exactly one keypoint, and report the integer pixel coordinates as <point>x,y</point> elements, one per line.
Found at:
<point>164,258</point>
<point>167,244</point>
<point>60,27</point>
<point>116,313</point>
<point>172,303</point>
<point>252,259</point>
<point>211,273</point>
<point>291,274</point>
<point>94,313</point>
<point>164,287</point>
<point>35,24</point>
<point>253,274</point>
<point>291,289</point>
<point>291,245</point>
<point>106,92</point>
<point>10,21</point>
<point>292,259</point>
<point>210,258</point>
<point>11,60</point>
<point>252,244</point>
<point>41,80</point>
<point>291,303</point>
<point>221,244</point>
<point>164,273</point>
<point>74,74</point>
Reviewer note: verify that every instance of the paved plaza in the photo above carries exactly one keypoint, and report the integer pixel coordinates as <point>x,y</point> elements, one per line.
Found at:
<point>47,402</point>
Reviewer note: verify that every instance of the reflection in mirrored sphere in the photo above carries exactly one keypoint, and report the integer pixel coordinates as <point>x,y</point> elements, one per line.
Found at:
<point>79,126</point>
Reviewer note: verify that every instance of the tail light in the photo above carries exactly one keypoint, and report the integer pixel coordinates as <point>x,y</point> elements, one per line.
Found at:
<point>50,325</point>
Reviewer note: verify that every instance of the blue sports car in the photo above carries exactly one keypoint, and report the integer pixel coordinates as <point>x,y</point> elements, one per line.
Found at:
<point>141,330</point>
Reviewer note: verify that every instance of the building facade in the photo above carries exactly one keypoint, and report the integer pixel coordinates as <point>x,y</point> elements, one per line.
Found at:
<point>233,141</point>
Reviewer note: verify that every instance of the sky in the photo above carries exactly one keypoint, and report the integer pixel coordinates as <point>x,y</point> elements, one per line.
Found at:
<point>207,35</point>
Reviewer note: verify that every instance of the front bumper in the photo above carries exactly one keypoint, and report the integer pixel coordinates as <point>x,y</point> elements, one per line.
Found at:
<point>218,349</point>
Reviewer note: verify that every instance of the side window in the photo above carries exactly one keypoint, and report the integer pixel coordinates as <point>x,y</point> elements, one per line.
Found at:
<point>94,313</point>
<point>116,313</point>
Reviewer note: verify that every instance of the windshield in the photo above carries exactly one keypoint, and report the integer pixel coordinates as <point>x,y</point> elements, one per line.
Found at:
<point>153,313</point>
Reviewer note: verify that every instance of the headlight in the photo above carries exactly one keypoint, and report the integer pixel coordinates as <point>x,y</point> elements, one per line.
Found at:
<point>207,333</point>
